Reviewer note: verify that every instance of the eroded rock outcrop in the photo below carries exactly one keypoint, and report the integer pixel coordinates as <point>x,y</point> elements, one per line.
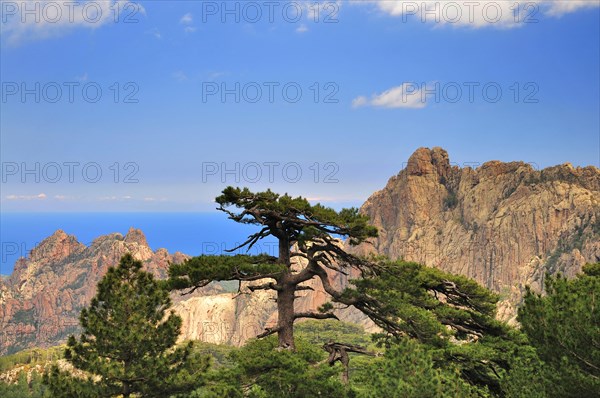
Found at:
<point>503,224</point>
<point>41,300</point>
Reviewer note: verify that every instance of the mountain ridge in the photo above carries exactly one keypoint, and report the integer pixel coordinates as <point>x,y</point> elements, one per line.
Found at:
<point>502,224</point>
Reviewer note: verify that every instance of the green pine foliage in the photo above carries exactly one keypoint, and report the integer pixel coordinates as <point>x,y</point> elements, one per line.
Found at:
<point>564,327</point>
<point>408,370</point>
<point>127,343</point>
<point>346,222</point>
<point>266,371</point>
<point>451,315</point>
<point>406,298</point>
<point>201,270</point>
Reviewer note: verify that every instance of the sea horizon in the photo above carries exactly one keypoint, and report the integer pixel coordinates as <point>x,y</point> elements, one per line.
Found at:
<point>191,233</point>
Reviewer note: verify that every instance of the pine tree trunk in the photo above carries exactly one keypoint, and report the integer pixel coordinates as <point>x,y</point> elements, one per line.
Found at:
<point>285,317</point>
<point>285,300</point>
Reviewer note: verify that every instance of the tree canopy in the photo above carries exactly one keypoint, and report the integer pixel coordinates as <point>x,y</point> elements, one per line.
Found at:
<point>127,346</point>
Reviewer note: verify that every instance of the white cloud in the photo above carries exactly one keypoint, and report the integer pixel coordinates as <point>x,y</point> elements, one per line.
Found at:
<point>215,75</point>
<point>301,29</point>
<point>156,33</point>
<point>406,95</point>
<point>187,19</point>
<point>479,14</point>
<point>360,101</point>
<point>559,8</point>
<point>30,20</point>
<point>40,196</point>
<point>180,76</point>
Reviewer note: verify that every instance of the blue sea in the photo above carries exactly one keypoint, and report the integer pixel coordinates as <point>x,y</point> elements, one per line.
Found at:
<point>189,233</point>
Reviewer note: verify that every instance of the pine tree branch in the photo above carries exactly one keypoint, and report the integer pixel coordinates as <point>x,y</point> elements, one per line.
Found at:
<point>268,332</point>
<point>266,286</point>
<point>315,315</point>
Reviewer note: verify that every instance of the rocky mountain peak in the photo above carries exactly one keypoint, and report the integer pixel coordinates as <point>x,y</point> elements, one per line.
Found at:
<point>56,247</point>
<point>425,161</point>
<point>136,236</point>
<point>502,224</point>
<point>40,302</point>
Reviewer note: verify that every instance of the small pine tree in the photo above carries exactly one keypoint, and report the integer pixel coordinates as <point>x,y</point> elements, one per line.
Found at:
<point>127,343</point>
<point>564,327</point>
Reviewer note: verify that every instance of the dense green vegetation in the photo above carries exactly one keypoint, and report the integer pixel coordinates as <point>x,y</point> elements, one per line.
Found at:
<point>438,333</point>
<point>32,357</point>
<point>564,327</point>
<point>409,367</point>
<point>23,388</point>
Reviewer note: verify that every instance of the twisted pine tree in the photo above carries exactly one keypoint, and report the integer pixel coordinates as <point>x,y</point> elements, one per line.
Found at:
<point>127,343</point>
<point>302,230</point>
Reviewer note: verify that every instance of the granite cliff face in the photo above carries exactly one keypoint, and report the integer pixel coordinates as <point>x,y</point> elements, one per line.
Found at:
<point>503,224</point>
<point>234,318</point>
<point>41,300</point>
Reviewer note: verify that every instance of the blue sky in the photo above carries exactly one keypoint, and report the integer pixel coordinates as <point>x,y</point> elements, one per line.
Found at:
<point>376,66</point>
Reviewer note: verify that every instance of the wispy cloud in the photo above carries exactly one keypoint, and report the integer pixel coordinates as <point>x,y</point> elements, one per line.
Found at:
<point>152,199</point>
<point>82,78</point>
<point>32,20</point>
<point>216,75</point>
<point>156,33</point>
<point>406,95</point>
<point>115,198</point>
<point>188,20</point>
<point>301,29</point>
<point>180,76</point>
<point>40,196</point>
<point>480,14</point>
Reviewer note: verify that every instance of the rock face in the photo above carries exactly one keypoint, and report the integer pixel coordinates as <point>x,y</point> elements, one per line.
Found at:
<point>235,318</point>
<point>503,224</point>
<point>41,300</point>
